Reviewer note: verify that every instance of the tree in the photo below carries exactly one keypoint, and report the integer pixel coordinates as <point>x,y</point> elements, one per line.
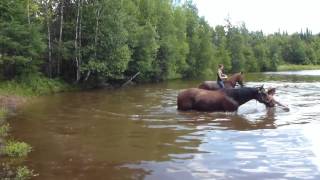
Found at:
<point>21,45</point>
<point>205,62</point>
<point>111,54</point>
<point>60,43</point>
<point>180,42</point>
<point>48,13</point>
<point>94,41</point>
<point>144,53</point>
<point>235,46</point>
<point>77,41</point>
<point>222,55</point>
<point>295,51</point>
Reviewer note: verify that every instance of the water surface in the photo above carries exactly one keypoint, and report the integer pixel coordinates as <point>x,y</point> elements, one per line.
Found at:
<point>137,133</point>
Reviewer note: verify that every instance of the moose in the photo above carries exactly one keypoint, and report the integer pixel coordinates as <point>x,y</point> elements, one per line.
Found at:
<point>220,100</point>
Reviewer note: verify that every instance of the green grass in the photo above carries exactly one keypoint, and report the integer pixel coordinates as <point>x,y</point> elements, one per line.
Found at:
<point>16,149</point>
<point>295,67</point>
<point>4,129</point>
<point>3,113</point>
<point>23,173</point>
<point>33,85</point>
<point>13,172</point>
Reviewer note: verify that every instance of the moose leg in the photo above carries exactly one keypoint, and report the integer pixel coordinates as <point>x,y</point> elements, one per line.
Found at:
<point>184,102</point>
<point>230,104</point>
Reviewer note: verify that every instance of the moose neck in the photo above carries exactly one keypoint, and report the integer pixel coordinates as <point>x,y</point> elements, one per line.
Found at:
<point>242,95</point>
<point>233,80</point>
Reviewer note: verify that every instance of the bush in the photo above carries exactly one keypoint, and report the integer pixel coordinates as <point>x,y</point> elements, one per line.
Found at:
<point>32,85</point>
<point>3,112</point>
<point>16,149</point>
<point>11,172</point>
<point>23,173</point>
<point>4,129</point>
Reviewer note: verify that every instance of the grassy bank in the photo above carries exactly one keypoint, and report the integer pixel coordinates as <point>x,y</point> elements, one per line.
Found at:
<point>13,94</point>
<point>10,153</point>
<point>295,67</point>
<point>34,85</point>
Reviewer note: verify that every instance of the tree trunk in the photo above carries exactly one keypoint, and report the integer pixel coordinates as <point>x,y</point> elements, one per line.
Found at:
<point>96,31</point>
<point>87,76</point>
<point>130,80</point>
<point>76,42</point>
<point>60,38</point>
<point>98,9</point>
<point>80,40</point>
<point>28,11</point>
<point>48,3</point>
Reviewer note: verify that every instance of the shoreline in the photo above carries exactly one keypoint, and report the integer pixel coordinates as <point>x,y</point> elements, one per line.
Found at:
<point>12,102</point>
<point>295,67</point>
<point>11,150</point>
<point>14,95</point>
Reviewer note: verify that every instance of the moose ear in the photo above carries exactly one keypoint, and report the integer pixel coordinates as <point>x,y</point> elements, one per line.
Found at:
<point>261,89</point>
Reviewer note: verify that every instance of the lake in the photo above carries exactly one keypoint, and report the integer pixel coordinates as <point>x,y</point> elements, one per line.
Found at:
<point>137,133</point>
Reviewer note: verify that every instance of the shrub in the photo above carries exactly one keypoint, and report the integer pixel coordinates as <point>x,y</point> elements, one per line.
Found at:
<point>23,173</point>
<point>4,129</point>
<point>16,149</point>
<point>3,112</point>
<point>33,85</point>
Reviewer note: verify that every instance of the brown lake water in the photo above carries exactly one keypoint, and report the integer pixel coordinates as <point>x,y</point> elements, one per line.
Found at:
<point>137,133</point>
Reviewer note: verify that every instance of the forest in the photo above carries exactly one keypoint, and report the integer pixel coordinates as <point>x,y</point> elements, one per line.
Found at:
<point>95,41</point>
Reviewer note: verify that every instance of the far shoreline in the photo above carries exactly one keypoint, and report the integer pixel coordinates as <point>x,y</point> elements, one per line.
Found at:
<point>295,67</point>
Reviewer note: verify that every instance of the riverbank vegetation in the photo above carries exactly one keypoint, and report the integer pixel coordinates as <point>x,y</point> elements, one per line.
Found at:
<point>106,41</point>
<point>297,67</point>
<point>33,85</point>
<point>18,173</point>
<point>17,151</point>
<point>10,168</point>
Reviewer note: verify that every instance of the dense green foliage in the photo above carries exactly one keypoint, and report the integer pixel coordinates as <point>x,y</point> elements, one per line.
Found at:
<point>94,41</point>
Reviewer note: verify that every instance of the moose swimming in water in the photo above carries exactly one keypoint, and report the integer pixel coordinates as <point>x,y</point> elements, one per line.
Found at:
<point>230,83</point>
<point>221,100</point>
